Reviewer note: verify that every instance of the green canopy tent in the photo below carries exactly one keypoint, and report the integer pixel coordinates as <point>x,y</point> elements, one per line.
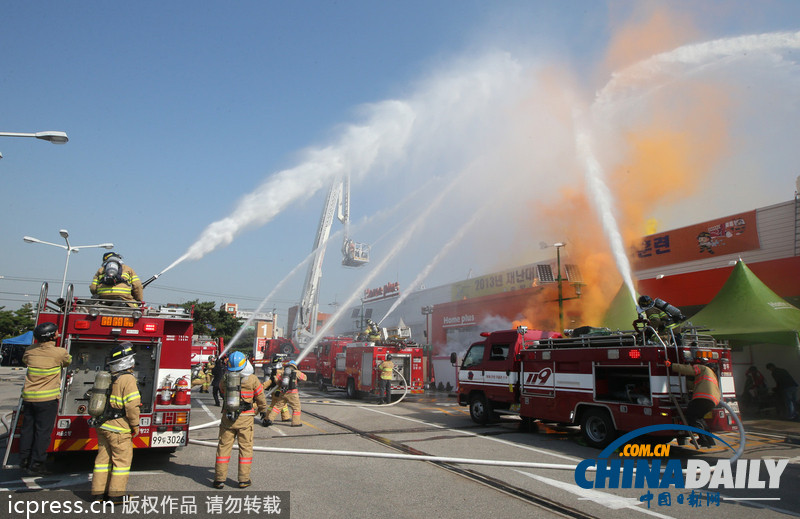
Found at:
<point>746,311</point>
<point>621,312</point>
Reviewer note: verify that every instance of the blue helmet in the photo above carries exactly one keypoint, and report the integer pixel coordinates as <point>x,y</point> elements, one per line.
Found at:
<point>292,363</point>
<point>237,361</point>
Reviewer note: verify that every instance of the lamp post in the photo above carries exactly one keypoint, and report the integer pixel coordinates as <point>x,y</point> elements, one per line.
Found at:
<point>69,248</point>
<point>559,279</point>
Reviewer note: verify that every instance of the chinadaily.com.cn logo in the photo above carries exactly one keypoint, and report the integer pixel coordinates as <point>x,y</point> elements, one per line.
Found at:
<point>641,466</point>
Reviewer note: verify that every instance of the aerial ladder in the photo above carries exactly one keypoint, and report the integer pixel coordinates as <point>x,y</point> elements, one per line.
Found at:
<point>355,254</point>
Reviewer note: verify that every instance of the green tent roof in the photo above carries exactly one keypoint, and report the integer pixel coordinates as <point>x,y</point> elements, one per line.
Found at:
<point>745,310</point>
<point>621,312</point>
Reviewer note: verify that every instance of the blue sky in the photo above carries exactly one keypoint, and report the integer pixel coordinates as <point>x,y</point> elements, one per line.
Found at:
<point>178,111</point>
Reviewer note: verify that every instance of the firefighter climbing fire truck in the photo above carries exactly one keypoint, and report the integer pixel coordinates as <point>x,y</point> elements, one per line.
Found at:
<point>89,329</point>
<point>604,382</point>
<point>354,369</point>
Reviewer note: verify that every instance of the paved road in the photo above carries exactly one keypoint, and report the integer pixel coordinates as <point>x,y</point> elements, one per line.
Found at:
<point>351,459</point>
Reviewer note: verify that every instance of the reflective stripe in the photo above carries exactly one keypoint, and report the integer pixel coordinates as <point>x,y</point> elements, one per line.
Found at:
<point>43,371</point>
<point>245,461</point>
<point>131,396</point>
<point>292,391</point>
<point>223,459</point>
<point>41,394</point>
<point>296,413</point>
<point>102,468</point>
<point>113,428</point>
<point>119,471</point>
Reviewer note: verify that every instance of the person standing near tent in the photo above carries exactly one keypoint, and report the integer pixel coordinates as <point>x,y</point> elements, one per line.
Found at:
<point>40,395</point>
<point>786,387</point>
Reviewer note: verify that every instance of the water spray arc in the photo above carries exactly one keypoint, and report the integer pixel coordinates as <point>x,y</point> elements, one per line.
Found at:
<point>476,216</point>
<point>400,243</point>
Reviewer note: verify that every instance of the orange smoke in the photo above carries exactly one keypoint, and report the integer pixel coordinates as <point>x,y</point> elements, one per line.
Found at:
<point>667,157</point>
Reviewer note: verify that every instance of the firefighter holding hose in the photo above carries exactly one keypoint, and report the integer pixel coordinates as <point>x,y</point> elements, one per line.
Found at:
<point>286,380</point>
<point>242,394</point>
<point>115,280</point>
<point>271,372</point>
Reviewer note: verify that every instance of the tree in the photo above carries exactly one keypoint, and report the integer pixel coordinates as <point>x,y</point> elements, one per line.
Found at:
<point>16,322</point>
<point>210,320</point>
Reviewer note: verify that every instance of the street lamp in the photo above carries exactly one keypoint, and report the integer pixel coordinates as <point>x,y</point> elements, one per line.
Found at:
<point>54,137</point>
<point>577,286</point>
<point>69,248</point>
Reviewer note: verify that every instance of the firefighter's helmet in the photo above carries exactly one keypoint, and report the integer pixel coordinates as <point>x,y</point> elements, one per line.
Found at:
<point>645,302</point>
<point>292,363</point>
<point>388,356</point>
<point>277,358</point>
<point>108,255</point>
<point>237,361</point>
<point>45,332</point>
<point>122,357</point>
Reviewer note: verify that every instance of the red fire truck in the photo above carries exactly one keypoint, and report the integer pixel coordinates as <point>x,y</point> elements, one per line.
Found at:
<point>605,382</point>
<point>354,369</point>
<point>325,353</point>
<point>264,349</point>
<point>203,349</point>
<point>162,339</point>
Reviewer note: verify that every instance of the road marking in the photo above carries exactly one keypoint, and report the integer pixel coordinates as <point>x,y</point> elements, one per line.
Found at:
<point>602,498</point>
<point>468,433</point>
<point>57,481</point>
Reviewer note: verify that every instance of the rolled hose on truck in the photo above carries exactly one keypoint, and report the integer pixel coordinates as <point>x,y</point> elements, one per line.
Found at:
<point>464,461</point>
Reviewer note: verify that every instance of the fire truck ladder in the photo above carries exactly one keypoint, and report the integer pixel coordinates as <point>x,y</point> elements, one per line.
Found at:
<point>672,397</point>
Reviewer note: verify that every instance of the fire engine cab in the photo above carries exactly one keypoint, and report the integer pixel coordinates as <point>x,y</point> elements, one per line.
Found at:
<point>325,354</point>
<point>89,329</point>
<point>604,382</point>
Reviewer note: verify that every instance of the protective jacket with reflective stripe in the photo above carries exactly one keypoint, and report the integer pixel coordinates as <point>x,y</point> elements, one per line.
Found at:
<point>386,367</point>
<point>43,377</point>
<point>704,382</point>
<point>125,397</point>
<point>252,392</point>
<point>130,289</point>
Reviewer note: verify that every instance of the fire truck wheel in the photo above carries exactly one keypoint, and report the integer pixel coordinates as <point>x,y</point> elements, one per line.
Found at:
<point>286,349</point>
<point>597,428</point>
<point>351,389</point>
<point>480,410</point>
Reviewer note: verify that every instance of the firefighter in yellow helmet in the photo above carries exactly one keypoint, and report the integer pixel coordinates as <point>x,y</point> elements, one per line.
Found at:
<point>286,380</point>
<point>242,392</point>
<point>115,280</point>
<point>120,424</point>
<point>40,395</point>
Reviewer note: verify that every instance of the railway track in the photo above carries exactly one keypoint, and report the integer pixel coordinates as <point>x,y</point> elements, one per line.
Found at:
<point>472,475</point>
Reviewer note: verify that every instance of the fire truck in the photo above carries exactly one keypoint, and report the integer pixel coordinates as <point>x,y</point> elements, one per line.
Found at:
<point>354,369</point>
<point>325,353</point>
<point>203,349</point>
<point>264,349</point>
<point>606,383</point>
<point>89,328</point>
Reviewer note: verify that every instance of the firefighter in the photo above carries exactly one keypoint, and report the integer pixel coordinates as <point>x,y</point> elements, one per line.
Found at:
<point>270,372</point>
<point>207,376</point>
<point>705,395</point>
<point>115,280</point>
<point>216,378</point>
<point>241,394</point>
<point>662,316</point>
<point>386,369</point>
<point>40,395</point>
<point>372,331</point>
<point>286,380</point>
<point>121,424</point>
